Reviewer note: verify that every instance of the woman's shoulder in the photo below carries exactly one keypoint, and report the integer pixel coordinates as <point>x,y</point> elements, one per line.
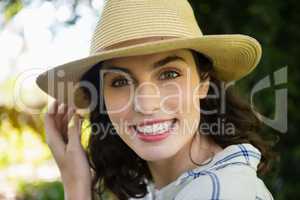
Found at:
<point>234,182</point>
<point>231,175</point>
<point>232,159</point>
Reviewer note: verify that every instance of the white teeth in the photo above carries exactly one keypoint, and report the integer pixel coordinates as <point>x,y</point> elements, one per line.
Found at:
<point>156,128</point>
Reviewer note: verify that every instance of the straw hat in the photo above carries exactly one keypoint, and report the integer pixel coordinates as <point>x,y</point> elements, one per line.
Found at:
<point>170,24</point>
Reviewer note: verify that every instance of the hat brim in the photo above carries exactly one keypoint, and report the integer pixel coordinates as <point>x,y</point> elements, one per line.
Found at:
<point>233,57</point>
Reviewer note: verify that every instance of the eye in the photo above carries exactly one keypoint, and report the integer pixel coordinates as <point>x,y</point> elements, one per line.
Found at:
<point>119,82</point>
<point>171,74</point>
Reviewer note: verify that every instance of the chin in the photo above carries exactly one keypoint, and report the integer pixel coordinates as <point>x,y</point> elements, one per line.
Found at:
<point>156,153</point>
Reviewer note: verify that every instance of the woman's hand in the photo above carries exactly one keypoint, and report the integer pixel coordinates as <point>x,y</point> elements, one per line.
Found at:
<point>65,145</point>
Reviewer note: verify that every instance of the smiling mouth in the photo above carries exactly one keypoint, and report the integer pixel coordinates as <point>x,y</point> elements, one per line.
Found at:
<point>156,128</point>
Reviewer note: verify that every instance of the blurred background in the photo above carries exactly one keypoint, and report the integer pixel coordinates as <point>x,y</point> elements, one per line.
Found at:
<point>37,34</point>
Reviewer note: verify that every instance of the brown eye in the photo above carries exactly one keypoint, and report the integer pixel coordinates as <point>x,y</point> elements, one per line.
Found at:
<point>169,75</point>
<point>119,82</point>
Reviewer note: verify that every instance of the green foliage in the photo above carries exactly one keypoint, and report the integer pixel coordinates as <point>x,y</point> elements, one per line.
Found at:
<point>12,8</point>
<point>48,191</point>
<point>41,191</point>
<point>275,24</point>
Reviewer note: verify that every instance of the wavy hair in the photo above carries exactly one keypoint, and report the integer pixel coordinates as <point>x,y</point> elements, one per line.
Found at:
<point>118,169</point>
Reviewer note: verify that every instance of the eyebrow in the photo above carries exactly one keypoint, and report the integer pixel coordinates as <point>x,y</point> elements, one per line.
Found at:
<point>157,64</point>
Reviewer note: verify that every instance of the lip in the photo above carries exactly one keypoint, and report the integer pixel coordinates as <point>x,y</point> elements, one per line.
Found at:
<point>154,138</point>
<point>153,121</point>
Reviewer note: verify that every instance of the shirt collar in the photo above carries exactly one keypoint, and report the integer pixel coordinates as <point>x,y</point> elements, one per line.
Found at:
<point>244,153</point>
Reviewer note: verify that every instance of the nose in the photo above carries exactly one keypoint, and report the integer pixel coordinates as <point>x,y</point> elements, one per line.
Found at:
<point>147,98</point>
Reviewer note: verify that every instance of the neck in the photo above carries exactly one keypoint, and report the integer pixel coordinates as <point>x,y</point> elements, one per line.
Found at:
<point>167,170</point>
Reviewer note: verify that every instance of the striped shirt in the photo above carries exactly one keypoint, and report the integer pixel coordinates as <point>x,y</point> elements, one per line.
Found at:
<point>231,175</point>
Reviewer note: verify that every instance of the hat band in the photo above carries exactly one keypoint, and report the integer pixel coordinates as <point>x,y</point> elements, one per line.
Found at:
<point>136,41</point>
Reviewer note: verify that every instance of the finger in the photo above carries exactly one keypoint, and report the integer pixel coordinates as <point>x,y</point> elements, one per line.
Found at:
<point>52,108</point>
<point>50,123</point>
<point>79,124</point>
<point>53,137</point>
<point>55,141</point>
<point>62,110</point>
<point>66,119</point>
<point>74,131</point>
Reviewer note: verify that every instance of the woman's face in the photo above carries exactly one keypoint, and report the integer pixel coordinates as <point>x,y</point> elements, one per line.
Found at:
<point>163,88</point>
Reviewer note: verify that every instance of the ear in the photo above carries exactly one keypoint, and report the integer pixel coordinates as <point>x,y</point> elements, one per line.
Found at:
<point>203,88</point>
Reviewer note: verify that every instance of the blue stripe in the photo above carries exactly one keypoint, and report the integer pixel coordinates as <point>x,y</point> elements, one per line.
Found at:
<point>258,198</point>
<point>237,154</point>
<point>245,152</point>
<point>215,182</point>
<point>226,164</point>
<point>231,156</point>
<point>216,189</point>
<point>214,186</point>
<point>201,173</point>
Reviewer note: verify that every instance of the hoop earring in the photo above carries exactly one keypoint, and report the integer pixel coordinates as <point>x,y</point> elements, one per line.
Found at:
<point>199,164</point>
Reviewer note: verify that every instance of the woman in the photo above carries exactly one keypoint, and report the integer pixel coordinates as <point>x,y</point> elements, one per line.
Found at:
<point>164,124</point>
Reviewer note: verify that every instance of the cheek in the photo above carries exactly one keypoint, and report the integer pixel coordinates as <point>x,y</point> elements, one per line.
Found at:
<point>119,121</point>
<point>184,100</point>
<point>170,100</point>
<point>180,97</point>
<point>117,100</point>
<point>118,108</point>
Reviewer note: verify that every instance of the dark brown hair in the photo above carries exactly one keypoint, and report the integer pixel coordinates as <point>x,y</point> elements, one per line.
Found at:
<point>119,169</point>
